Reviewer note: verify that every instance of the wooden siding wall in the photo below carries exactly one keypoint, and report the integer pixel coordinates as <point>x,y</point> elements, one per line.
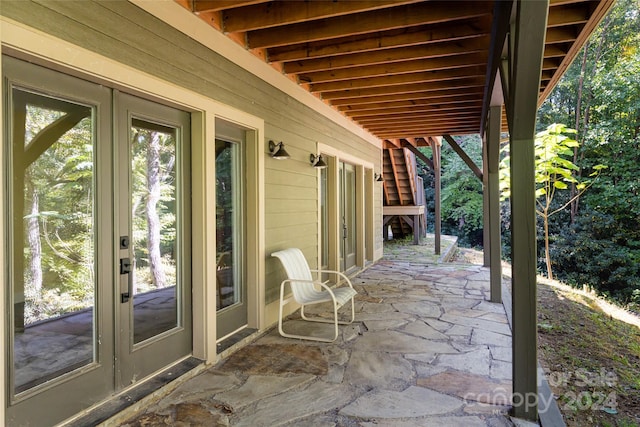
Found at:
<point>123,32</point>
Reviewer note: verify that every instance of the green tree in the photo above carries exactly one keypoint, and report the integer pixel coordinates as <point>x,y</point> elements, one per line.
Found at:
<point>462,192</point>
<point>554,171</point>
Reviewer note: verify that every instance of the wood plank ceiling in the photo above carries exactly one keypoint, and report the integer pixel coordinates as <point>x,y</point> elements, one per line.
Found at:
<point>402,69</point>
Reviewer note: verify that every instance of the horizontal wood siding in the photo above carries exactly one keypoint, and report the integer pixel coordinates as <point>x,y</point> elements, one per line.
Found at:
<point>123,32</point>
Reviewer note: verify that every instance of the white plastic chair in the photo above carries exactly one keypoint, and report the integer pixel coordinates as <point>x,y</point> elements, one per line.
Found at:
<point>305,291</point>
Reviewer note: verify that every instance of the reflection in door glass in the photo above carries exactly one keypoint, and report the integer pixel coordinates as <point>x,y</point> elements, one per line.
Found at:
<point>228,223</point>
<point>154,234</point>
<point>53,238</point>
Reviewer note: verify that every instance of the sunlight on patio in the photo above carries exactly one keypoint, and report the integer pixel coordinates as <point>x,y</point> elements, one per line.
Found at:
<point>427,348</point>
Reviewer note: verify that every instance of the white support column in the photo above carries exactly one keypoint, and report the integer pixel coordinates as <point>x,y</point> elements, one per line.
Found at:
<point>526,66</point>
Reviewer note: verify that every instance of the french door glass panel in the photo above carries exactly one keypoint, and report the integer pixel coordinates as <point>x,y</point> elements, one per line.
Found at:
<point>350,215</point>
<point>230,277</point>
<point>153,221</point>
<point>228,223</point>
<point>324,219</point>
<point>54,238</point>
<point>347,188</point>
<point>59,308</point>
<point>153,236</point>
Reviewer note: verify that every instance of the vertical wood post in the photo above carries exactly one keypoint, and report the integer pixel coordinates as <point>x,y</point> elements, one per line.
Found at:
<point>486,225</point>
<point>435,150</point>
<point>528,46</point>
<point>492,197</point>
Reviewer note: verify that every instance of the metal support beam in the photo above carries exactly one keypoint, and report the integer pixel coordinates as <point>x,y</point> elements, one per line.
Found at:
<point>492,195</point>
<point>464,156</point>
<point>526,67</point>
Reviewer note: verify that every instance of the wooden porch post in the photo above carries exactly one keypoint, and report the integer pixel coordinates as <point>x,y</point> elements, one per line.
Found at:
<point>525,70</point>
<point>492,197</point>
<point>437,223</point>
<point>486,241</point>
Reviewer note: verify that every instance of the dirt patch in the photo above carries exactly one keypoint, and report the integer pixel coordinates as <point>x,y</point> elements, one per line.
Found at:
<point>592,360</point>
<point>277,359</point>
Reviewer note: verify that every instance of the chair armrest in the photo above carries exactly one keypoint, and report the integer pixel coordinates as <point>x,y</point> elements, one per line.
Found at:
<point>338,273</point>
<point>315,282</point>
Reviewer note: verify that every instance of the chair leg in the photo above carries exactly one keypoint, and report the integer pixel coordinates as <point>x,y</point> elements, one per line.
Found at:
<point>321,320</point>
<point>305,337</point>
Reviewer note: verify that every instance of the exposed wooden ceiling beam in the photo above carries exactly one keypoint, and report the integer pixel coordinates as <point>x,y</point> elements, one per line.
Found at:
<point>564,15</point>
<point>280,13</point>
<point>394,68</point>
<point>367,22</point>
<point>431,131</point>
<point>385,56</point>
<point>397,113</point>
<point>435,108</point>
<point>554,51</point>
<point>433,103</point>
<point>400,79</point>
<point>400,68</point>
<point>364,95</point>
<point>217,5</point>
<point>418,123</point>
<point>372,102</point>
<point>422,34</point>
<point>561,35</point>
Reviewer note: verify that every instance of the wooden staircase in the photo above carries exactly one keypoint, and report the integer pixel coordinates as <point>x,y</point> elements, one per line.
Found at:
<point>400,186</point>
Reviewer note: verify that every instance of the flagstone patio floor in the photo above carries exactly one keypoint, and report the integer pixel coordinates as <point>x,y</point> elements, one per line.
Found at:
<point>427,349</point>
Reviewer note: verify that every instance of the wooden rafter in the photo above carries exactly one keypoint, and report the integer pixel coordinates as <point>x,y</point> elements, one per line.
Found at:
<point>367,22</point>
<point>398,68</point>
<point>396,38</point>
<point>394,68</point>
<point>387,56</point>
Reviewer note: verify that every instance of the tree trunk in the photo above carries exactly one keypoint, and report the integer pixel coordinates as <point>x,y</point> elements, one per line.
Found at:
<point>35,247</point>
<point>153,219</point>
<point>545,219</point>
<point>574,190</point>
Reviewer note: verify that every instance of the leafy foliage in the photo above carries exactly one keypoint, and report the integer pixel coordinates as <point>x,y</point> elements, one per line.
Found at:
<point>553,172</point>
<point>600,247</point>
<point>461,192</point>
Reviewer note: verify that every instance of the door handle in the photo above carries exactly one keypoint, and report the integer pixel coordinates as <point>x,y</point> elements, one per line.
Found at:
<point>125,268</point>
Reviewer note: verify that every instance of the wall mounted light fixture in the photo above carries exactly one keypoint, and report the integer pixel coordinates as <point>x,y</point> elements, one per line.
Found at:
<point>379,177</point>
<point>317,161</point>
<point>277,150</point>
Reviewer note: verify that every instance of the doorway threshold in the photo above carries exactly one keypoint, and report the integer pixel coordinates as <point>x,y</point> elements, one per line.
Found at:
<point>129,397</point>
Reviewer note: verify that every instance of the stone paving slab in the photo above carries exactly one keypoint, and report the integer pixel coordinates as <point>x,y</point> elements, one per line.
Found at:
<point>427,349</point>
<point>412,402</point>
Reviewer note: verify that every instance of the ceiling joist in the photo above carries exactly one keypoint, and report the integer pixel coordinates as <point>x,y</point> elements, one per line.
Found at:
<point>405,70</point>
